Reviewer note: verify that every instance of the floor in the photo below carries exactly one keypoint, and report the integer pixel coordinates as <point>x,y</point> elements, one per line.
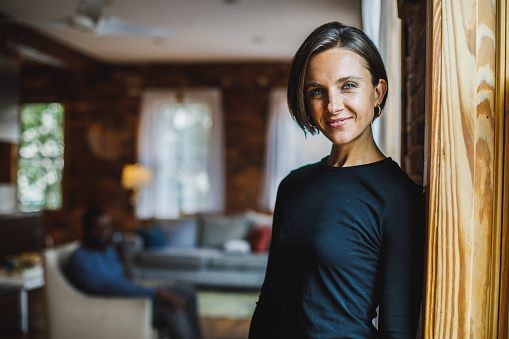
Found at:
<point>213,328</point>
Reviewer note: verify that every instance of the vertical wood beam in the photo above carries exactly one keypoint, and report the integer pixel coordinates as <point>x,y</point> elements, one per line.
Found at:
<point>461,166</point>
<point>501,310</point>
<point>8,162</point>
<point>498,318</point>
<point>432,161</point>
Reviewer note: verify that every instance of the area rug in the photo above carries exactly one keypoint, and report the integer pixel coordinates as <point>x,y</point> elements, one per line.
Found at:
<point>226,304</point>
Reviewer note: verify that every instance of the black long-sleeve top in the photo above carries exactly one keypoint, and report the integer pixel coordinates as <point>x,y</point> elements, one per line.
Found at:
<point>345,240</point>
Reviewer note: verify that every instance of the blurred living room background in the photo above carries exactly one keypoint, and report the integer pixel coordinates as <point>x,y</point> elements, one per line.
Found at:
<point>172,116</point>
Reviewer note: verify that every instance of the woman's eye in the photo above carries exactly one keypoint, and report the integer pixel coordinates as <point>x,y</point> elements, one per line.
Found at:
<point>349,85</point>
<point>315,92</point>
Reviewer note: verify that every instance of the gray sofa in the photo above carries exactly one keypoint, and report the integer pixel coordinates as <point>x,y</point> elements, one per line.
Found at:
<point>205,250</point>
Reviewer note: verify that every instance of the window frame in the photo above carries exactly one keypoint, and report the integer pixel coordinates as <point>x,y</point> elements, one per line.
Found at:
<point>152,101</point>
<point>66,128</point>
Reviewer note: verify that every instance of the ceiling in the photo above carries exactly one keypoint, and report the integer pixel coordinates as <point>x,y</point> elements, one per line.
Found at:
<point>200,30</point>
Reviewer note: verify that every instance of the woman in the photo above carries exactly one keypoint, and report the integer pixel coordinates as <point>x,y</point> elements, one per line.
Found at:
<point>348,231</point>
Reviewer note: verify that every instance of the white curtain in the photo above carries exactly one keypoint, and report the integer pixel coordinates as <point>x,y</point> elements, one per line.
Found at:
<point>381,23</point>
<point>159,199</point>
<point>371,26</point>
<point>287,147</point>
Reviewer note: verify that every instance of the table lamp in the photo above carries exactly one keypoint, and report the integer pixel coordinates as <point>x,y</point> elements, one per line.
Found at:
<point>135,176</point>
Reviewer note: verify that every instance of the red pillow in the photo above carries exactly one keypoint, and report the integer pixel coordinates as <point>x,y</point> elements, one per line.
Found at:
<point>259,238</point>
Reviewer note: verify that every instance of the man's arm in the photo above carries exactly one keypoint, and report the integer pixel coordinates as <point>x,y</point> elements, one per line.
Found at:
<point>101,274</point>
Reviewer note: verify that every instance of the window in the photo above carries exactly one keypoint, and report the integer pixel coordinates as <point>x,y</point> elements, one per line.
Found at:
<point>287,148</point>
<point>181,142</point>
<point>41,156</point>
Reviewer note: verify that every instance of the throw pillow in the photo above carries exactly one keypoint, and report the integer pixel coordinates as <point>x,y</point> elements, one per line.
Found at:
<point>259,218</point>
<point>259,238</point>
<point>152,237</point>
<point>236,246</point>
<point>219,229</point>
<point>180,233</point>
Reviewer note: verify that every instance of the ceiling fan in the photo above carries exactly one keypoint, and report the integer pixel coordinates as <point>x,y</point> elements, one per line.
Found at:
<point>88,18</point>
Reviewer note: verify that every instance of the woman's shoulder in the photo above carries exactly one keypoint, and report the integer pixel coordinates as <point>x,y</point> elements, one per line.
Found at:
<point>388,180</point>
<point>401,189</point>
<point>393,175</point>
<point>302,173</point>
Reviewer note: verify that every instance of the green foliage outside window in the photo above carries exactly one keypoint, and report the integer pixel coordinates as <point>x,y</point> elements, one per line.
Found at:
<point>184,154</point>
<point>41,156</point>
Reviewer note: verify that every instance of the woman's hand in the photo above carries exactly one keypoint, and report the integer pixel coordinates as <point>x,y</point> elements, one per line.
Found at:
<point>171,299</point>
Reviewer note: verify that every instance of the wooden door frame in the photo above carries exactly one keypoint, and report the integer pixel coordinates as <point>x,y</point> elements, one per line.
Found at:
<point>498,312</point>
<point>500,302</point>
<point>467,261</point>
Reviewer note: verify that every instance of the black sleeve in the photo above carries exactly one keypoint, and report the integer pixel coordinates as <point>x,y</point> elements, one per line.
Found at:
<point>265,322</point>
<point>402,263</point>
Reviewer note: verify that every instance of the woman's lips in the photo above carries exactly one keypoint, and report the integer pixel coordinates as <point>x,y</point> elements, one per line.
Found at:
<point>338,122</point>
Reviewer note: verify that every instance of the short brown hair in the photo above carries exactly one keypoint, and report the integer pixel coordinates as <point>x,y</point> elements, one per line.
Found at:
<point>331,35</point>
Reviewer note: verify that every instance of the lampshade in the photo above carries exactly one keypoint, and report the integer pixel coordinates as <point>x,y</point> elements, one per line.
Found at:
<point>134,176</point>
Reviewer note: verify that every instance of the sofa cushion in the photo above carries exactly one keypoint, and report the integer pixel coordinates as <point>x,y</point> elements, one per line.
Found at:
<point>259,218</point>
<point>217,230</point>
<point>179,233</point>
<point>240,262</point>
<point>152,237</point>
<point>167,258</point>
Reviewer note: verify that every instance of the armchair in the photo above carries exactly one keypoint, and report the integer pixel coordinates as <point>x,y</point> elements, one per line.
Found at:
<point>73,314</point>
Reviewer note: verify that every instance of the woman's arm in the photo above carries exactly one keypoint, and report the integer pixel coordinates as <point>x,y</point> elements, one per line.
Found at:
<point>402,263</point>
<point>265,320</point>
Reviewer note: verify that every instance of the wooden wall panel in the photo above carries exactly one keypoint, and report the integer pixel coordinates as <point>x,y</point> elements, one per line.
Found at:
<point>461,167</point>
<point>431,180</point>
<point>9,162</point>
<point>500,301</point>
<point>485,170</point>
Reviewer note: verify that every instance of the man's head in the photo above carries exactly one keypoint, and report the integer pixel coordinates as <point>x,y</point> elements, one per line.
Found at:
<point>96,228</point>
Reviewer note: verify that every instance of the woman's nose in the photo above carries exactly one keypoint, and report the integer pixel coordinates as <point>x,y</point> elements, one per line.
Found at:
<point>335,103</point>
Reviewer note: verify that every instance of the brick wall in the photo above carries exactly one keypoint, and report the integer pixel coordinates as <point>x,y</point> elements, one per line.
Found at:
<point>106,98</point>
<point>413,15</point>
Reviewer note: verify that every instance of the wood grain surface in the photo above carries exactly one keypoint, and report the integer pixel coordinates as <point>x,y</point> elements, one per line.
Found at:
<point>461,279</point>
<point>498,317</point>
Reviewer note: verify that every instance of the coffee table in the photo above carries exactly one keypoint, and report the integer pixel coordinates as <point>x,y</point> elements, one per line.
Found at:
<point>23,283</point>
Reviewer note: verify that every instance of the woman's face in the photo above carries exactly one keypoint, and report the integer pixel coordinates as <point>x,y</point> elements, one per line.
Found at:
<point>341,97</point>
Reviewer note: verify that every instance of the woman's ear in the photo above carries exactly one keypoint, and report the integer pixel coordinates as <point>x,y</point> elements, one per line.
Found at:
<point>380,91</point>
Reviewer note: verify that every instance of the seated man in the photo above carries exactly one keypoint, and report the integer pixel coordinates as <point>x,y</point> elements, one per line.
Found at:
<point>96,269</point>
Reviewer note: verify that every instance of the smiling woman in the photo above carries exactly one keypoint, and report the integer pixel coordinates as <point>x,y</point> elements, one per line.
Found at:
<point>348,231</point>
<point>340,97</point>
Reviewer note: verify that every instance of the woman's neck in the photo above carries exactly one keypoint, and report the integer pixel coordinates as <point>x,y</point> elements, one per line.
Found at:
<point>347,156</point>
